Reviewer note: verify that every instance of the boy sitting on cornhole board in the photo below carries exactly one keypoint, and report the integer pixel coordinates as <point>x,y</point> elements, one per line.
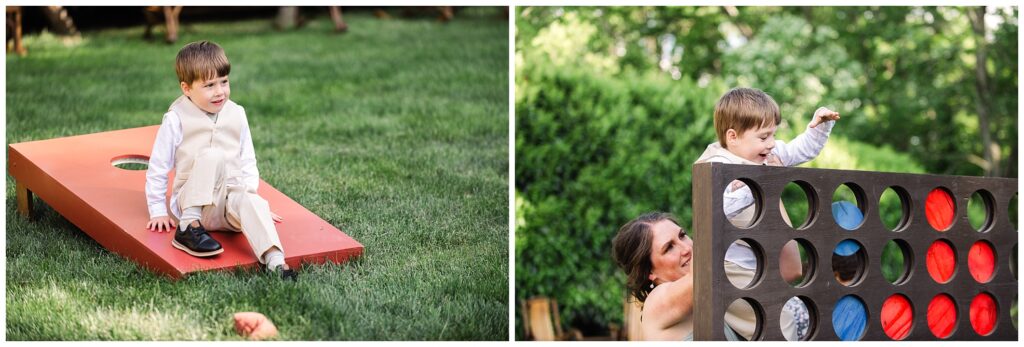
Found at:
<point>204,137</point>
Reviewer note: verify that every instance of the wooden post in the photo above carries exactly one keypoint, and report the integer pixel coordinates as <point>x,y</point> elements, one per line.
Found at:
<point>15,24</point>
<point>24,197</point>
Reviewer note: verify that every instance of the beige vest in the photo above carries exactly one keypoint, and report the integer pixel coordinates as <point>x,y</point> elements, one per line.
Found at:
<point>198,131</point>
<point>747,215</point>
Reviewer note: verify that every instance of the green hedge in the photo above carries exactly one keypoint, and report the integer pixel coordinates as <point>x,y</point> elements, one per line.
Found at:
<point>593,152</point>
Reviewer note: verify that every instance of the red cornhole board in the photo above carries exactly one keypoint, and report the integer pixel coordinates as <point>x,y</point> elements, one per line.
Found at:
<point>75,176</point>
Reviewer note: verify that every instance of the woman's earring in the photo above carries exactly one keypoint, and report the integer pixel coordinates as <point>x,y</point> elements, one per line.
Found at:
<point>652,285</point>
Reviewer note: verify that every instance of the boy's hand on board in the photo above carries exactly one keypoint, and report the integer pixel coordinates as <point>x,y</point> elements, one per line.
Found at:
<point>163,224</point>
<point>821,115</point>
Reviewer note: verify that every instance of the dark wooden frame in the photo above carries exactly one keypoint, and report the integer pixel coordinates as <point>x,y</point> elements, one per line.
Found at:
<point>713,233</point>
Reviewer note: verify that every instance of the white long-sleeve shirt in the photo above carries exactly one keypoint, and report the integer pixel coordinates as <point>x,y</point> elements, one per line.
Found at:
<point>161,161</point>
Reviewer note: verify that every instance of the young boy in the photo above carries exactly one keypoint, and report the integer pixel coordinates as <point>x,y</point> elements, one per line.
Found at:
<point>745,121</point>
<point>205,138</point>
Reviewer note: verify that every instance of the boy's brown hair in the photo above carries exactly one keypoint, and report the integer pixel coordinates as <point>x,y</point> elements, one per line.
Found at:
<point>201,60</point>
<point>742,109</point>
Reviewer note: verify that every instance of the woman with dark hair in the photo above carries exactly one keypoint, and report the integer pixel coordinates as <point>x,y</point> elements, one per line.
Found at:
<point>656,255</point>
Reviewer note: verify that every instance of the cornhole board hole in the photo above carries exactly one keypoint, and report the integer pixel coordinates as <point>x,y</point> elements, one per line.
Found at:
<point>76,176</point>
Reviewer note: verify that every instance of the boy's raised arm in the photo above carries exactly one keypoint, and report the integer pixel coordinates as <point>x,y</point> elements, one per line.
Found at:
<point>809,144</point>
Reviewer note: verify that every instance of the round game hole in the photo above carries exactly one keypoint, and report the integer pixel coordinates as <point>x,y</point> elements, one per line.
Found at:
<point>743,263</point>
<point>849,262</point>
<point>979,210</point>
<point>130,162</point>
<point>796,262</point>
<point>894,208</point>
<point>896,261</point>
<point>1013,312</point>
<point>746,217</point>
<point>897,317</point>
<point>798,204</point>
<point>738,328</point>
<point>941,261</point>
<point>848,206</point>
<point>798,319</point>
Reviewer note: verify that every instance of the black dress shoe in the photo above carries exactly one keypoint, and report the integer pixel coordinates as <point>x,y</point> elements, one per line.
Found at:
<point>286,274</point>
<point>195,241</point>
<point>290,275</point>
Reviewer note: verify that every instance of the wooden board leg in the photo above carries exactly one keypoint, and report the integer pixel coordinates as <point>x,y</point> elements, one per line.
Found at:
<point>24,200</point>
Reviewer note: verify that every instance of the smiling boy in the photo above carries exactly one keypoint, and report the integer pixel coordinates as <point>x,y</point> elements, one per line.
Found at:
<point>204,137</point>
<point>746,120</point>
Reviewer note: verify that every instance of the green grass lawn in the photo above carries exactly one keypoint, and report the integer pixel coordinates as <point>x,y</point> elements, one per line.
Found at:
<point>395,132</point>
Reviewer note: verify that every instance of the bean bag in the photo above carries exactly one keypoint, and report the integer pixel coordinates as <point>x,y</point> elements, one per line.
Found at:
<point>254,326</point>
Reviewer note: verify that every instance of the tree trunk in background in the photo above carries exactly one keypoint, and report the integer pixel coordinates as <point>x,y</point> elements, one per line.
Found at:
<point>59,20</point>
<point>981,89</point>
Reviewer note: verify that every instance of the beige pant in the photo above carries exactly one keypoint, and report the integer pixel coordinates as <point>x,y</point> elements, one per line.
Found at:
<point>226,205</point>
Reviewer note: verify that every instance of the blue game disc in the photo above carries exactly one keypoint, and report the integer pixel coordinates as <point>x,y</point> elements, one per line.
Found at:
<point>849,318</point>
<point>846,214</point>
<point>847,248</point>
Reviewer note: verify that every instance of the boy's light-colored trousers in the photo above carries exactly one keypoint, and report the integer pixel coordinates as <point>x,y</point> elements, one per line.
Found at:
<point>741,317</point>
<point>228,205</point>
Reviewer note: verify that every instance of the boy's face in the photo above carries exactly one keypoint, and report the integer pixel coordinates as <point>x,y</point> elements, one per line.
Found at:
<point>209,95</point>
<point>753,144</point>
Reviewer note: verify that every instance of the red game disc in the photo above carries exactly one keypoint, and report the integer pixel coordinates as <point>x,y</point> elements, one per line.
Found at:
<point>983,314</point>
<point>939,209</point>
<point>897,317</point>
<point>981,261</point>
<point>941,316</point>
<point>941,261</point>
